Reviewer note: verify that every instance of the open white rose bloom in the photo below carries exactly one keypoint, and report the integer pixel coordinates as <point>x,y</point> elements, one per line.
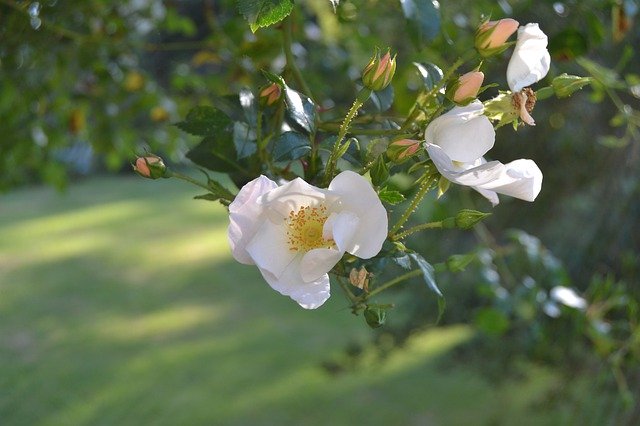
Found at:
<point>456,142</point>
<point>530,60</point>
<point>296,233</point>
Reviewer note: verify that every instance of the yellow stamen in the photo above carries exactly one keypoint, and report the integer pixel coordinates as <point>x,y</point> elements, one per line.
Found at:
<point>305,228</point>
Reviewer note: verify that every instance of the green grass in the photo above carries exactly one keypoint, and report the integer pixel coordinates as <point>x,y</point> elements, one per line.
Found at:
<point>120,304</point>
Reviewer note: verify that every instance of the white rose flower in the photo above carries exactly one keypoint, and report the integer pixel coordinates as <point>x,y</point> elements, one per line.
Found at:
<point>456,142</point>
<point>295,233</point>
<point>530,60</point>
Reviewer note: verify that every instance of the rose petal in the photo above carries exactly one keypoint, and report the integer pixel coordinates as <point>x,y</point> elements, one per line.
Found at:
<point>317,262</point>
<point>341,228</point>
<point>464,133</point>
<point>530,60</point>
<point>358,197</point>
<point>269,248</point>
<point>309,295</point>
<point>245,215</point>
<point>293,195</point>
<point>520,179</point>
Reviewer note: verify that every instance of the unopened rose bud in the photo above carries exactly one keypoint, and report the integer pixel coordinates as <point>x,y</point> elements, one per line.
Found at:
<point>150,167</point>
<point>270,94</point>
<point>491,36</point>
<point>466,88</point>
<point>565,85</point>
<point>359,278</point>
<point>375,315</point>
<point>403,149</point>
<point>465,219</point>
<point>379,71</point>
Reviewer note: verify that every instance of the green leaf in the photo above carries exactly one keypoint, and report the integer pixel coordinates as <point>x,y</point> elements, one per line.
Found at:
<point>204,121</point>
<point>459,262</point>
<point>291,146</point>
<point>423,20</point>
<point>262,13</point>
<point>244,140</point>
<point>390,196</point>
<point>301,111</point>
<point>431,74</point>
<point>403,261</point>
<point>379,172</point>
<point>381,100</point>
<point>429,278</point>
<point>216,153</point>
<point>427,272</point>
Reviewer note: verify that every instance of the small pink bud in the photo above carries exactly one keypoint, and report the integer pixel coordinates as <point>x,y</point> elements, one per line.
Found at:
<point>151,167</point>
<point>270,94</point>
<point>400,150</point>
<point>468,86</point>
<point>491,36</point>
<point>379,71</point>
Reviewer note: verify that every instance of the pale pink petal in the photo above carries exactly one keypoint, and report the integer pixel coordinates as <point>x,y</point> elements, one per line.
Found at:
<point>269,248</point>
<point>317,262</point>
<point>309,295</point>
<point>358,197</point>
<point>245,214</point>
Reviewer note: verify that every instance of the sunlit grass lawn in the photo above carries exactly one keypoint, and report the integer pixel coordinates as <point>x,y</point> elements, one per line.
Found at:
<point>120,304</point>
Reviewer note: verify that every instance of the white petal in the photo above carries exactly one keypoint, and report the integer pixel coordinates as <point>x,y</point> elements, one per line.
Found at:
<point>341,228</point>
<point>530,60</point>
<point>464,133</point>
<point>309,295</point>
<point>358,197</point>
<point>245,214</point>
<point>318,262</point>
<point>293,195</point>
<point>269,248</point>
<point>520,179</point>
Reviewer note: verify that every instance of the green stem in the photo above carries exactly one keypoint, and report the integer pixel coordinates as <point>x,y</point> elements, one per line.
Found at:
<point>188,179</point>
<point>344,128</point>
<point>397,280</point>
<point>414,229</point>
<point>368,132</point>
<point>425,186</point>
<point>291,60</point>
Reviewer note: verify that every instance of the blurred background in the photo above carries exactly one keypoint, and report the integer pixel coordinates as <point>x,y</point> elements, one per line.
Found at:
<point>120,302</point>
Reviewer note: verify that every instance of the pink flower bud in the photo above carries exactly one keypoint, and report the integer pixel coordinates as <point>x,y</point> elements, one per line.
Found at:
<point>379,71</point>
<point>270,94</point>
<point>150,167</point>
<point>492,36</point>
<point>400,150</point>
<point>467,87</point>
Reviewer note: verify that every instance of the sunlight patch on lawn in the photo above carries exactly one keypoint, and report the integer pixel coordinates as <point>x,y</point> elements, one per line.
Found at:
<point>211,245</point>
<point>161,324</point>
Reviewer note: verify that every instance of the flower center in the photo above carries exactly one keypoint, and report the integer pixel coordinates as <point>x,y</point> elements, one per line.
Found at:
<point>304,228</point>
